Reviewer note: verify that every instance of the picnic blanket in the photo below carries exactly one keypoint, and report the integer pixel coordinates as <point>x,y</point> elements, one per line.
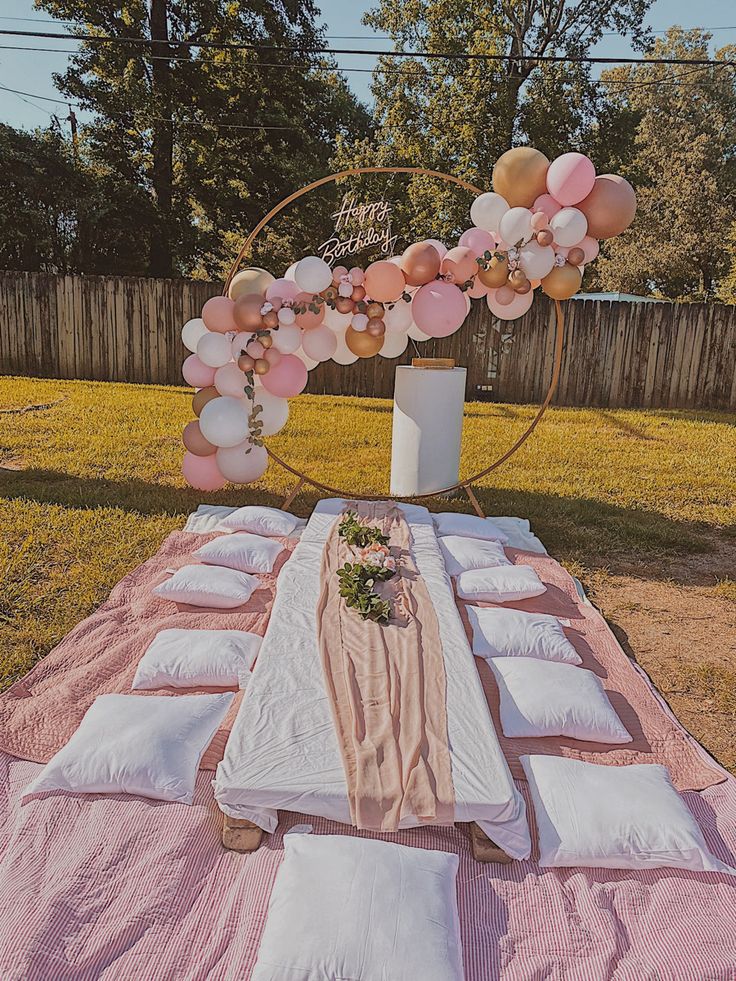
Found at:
<point>39,713</point>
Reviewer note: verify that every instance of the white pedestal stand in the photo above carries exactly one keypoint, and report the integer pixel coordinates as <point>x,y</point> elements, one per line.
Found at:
<point>427,429</point>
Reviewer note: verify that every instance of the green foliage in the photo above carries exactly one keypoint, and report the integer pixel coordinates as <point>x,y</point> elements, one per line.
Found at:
<point>359,535</point>
<point>356,588</point>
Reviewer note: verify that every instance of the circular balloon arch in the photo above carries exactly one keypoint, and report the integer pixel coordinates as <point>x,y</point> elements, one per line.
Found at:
<point>461,485</point>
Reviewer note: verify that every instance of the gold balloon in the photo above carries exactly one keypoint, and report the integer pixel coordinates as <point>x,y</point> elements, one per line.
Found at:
<point>246,362</point>
<point>266,341</point>
<point>344,304</point>
<point>271,319</point>
<point>563,282</point>
<point>261,367</point>
<point>247,312</point>
<point>375,310</point>
<point>202,397</point>
<point>520,176</point>
<point>610,207</point>
<point>496,274</point>
<point>195,442</point>
<point>362,343</point>
<point>250,280</point>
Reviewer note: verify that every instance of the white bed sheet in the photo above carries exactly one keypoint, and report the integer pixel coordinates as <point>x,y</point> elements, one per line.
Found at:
<point>282,753</point>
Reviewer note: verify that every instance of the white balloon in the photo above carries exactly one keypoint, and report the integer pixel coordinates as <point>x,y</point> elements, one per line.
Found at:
<point>303,356</point>
<point>398,318</point>
<point>312,274</point>
<point>214,350</point>
<point>287,338</point>
<point>516,225</point>
<point>416,334</point>
<point>239,466</point>
<point>191,333</point>
<point>569,227</point>
<point>224,421</point>
<point>343,354</point>
<point>536,260</point>
<point>274,412</point>
<point>394,344</point>
<point>286,316</point>
<point>487,210</point>
<point>319,343</point>
<point>230,380</point>
<point>289,274</point>
<point>337,321</point>
<point>239,344</point>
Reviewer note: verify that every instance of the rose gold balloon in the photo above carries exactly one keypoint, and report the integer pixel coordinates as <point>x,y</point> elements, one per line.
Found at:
<point>270,320</point>
<point>358,293</point>
<point>376,327</point>
<point>309,319</point>
<point>496,274</point>
<point>520,176</point>
<point>384,281</point>
<point>563,282</point>
<point>519,282</point>
<point>337,273</point>
<point>195,442</point>
<point>545,237</point>
<point>420,264</point>
<point>610,207</point>
<point>329,294</point>
<point>266,341</point>
<point>261,367</point>
<point>576,256</point>
<point>247,312</point>
<point>202,397</point>
<point>344,304</point>
<point>246,362</point>
<point>459,264</point>
<point>362,343</point>
<point>375,310</point>
<point>540,221</point>
<point>522,287</point>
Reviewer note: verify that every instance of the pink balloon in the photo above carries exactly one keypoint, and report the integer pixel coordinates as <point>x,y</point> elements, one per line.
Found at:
<point>255,349</point>
<point>287,378</point>
<point>437,246</point>
<point>547,204</point>
<point>284,289</point>
<point>504,296</point>
<point>320,344</point>
<point>202,472</point>
<point>477,290</point>
<point>217,314</point>
<point>273,356</point>
<point>539,221</point>
<point>590,247</point>
<point>230,380</point>
<point>478,241</point>
<point>570,178</point>
<point>357,276</point>
<point>439,308</point>
<point>240,342</point>
<point>459,264</point>
<point>196,373</point>
<point>510,311</point>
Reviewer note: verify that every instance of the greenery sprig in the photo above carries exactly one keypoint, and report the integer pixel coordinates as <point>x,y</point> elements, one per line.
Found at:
<point>356,588</point>
<point>358,535</point>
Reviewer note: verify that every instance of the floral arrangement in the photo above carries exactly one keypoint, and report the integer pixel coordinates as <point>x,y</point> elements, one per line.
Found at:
<point>374,563</point>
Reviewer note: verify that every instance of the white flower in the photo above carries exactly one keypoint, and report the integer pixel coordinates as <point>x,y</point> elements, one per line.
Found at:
<point>560,260</point>
<point>266,308</point>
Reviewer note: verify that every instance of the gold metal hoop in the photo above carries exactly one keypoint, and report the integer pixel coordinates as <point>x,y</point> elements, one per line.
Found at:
<point>465,485</point>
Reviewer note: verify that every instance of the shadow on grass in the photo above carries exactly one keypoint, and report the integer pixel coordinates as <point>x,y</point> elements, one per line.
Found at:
<point>571,528</point>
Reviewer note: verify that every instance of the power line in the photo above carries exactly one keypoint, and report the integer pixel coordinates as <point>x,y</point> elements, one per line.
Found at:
<point>306,49</point>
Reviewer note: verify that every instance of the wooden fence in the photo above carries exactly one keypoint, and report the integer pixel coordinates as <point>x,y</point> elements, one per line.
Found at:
<point>616,354</point>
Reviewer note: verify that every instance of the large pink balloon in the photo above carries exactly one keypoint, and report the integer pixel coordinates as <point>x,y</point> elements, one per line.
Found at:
<point>570,178</point>
<point>196,373</point>
<point>384,281</point>
<point>547,204</point>
<point>459,264</point>
<point>217,314</point>
<point>202,472</point>
<point>319,344</point>
<point>518,306</point>
<point>284,289</point>
<point>478,240</point>
<point>287,378</point>
<point>439,308</point>
<point>438,246</point>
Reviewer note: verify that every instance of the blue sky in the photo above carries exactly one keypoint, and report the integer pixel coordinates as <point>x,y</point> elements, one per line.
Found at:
<point>31,71</point>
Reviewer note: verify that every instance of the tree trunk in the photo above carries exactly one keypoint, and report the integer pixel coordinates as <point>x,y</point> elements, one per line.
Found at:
<point>160,260</point>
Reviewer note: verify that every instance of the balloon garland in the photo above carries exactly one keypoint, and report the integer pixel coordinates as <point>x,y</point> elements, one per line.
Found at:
<point>252,348</point>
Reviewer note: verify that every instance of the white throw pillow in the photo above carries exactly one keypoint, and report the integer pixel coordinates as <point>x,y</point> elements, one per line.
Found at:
<point>241,551</point>
<point>271,522</point>
<point>505,584</point>
<point>359,909</point>
<point>545,698</point>
<point>514,633</point>
<point>208,585</point>
<point>461,554</point>
<point>468,526</point>
<point>149,745</point>
<point>613,817</point>
<point>190,658</point>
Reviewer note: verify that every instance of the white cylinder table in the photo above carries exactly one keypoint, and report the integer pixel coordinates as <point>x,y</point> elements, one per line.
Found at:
<point>427,429</point>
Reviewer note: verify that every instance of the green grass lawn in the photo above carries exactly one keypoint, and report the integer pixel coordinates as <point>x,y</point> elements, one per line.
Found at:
<point>91,485</point>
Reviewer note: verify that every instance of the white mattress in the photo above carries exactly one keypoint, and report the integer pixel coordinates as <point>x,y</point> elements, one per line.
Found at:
<point>282,753</point>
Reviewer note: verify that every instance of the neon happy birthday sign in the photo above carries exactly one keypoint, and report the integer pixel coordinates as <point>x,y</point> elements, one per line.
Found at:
<point>374,230</point>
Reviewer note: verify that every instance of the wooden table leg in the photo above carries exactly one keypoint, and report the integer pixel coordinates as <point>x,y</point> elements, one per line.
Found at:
<point>485,850</point>
<point>239,835</point>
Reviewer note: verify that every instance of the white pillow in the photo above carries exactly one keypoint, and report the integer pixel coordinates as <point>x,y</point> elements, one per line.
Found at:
<point>149,745</point>
<point>360,909</point>
<point>514,633</point>
<point>271,522</point>
<point>208,585</point>
<point>504,584</point>
<point>469,526</point>
<point>241,551</point>
<point>613,817</point>
<point>545,698</point>
<point>461,554</point>
<point>190,658</point>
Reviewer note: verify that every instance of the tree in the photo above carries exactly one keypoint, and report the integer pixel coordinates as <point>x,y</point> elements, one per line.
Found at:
<point>211,137</point>
<point>681,162</point>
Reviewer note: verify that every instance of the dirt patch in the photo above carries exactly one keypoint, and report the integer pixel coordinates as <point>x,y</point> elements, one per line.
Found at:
<point>669,615</point>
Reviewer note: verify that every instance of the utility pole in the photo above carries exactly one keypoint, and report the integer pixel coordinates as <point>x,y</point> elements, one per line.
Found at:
<point>72,120</point>
<point>161,261</point>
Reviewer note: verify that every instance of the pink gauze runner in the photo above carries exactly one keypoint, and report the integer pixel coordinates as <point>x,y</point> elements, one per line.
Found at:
<point>39,713</point>
<point>657,738</point>
<point>387,687</point>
